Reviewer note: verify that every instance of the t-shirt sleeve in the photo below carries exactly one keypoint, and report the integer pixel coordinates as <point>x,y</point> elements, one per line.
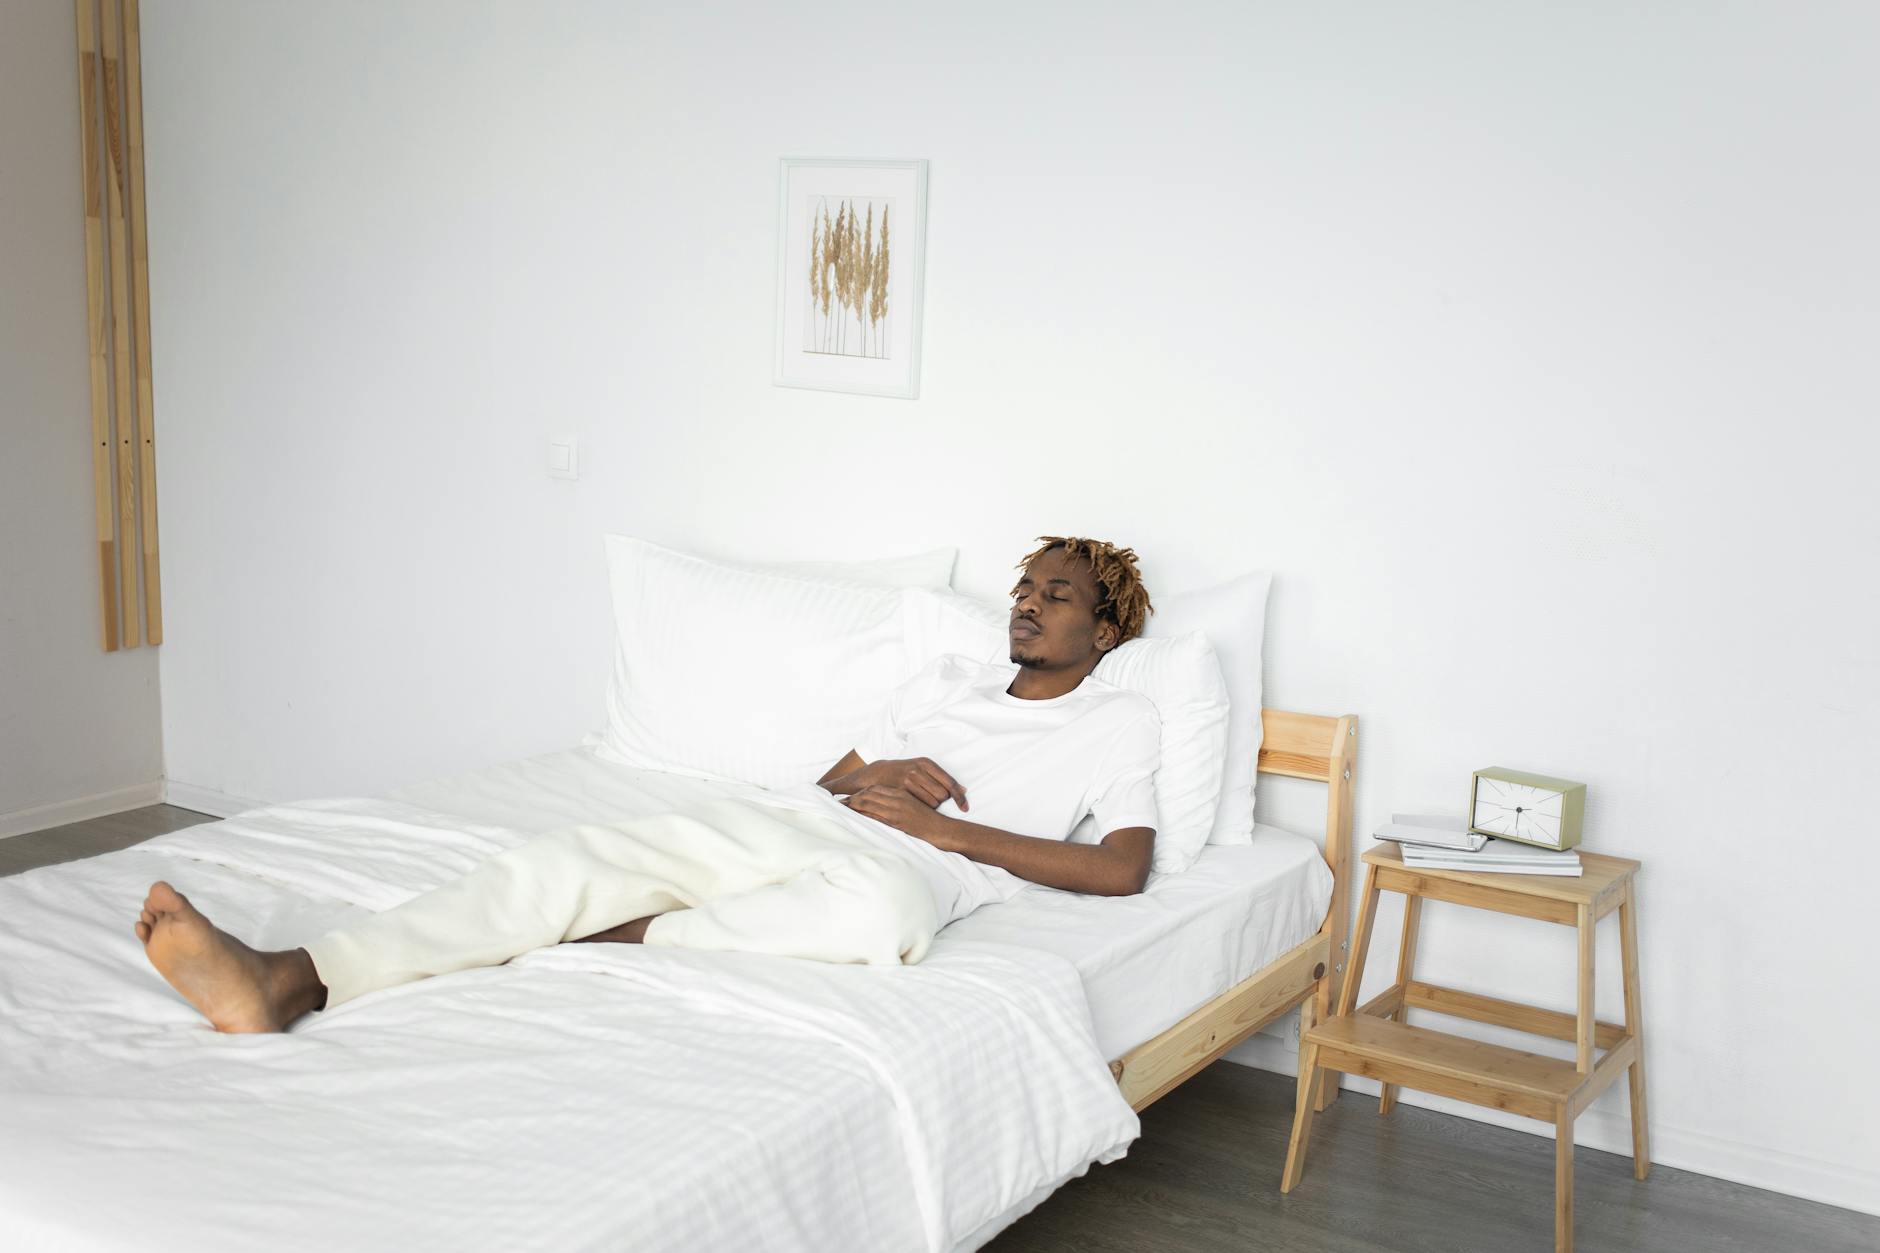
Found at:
<point>1124,793</point>
<point>886,736</point>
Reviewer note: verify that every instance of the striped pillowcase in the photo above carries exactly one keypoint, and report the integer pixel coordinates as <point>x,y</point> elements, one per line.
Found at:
<point>728,672</point>
<point>1182,676</point>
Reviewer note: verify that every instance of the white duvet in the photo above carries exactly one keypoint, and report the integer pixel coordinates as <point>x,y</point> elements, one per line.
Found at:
<point>581,1097</point>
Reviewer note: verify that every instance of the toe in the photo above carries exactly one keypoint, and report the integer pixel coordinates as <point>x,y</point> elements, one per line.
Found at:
<point>163,897</point>
<point>143,931</point>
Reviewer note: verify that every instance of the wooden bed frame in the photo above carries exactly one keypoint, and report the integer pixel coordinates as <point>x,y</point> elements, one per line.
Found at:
<point>1299,746</point>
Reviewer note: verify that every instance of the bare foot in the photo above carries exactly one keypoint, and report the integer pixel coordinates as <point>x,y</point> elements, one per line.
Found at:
<point>235,987</point>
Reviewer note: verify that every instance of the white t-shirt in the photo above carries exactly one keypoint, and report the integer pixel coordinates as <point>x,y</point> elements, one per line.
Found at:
<point>1032,767</point>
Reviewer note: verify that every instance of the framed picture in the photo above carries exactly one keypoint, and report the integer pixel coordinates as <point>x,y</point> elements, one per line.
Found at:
<point>851,245</point>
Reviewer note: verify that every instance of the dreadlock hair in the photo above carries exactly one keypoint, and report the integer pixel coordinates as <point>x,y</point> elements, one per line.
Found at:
<point>1125,600</point>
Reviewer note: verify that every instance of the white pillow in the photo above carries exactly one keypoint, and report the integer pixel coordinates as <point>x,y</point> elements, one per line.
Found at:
<point>1181,677</point>
<point>1233,617</point>
<point>933,568</point>
<point>734,673</point>
<point>935,624</point>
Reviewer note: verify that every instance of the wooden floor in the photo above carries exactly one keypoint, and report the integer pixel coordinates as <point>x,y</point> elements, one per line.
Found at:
<point>88,839</point>
<point>1205,1175</point>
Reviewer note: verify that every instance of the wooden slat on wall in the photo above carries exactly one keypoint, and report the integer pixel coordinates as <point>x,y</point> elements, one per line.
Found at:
<point>140,298</point>
<point>125,435</point>
<point>117,279</point>
<point>89,74</point>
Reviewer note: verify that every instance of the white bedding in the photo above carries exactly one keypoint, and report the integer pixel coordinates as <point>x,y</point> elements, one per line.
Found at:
<point>1149,961</point>
<point>601,1096</point>
<point>586,1096</point>
<point>1146,961</point>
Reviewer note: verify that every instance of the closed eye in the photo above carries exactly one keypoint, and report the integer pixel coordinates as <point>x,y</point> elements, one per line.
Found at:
<point>1052,592</point>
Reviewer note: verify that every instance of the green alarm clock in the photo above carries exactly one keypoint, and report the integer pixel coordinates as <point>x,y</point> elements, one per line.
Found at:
<point>1532,808</point>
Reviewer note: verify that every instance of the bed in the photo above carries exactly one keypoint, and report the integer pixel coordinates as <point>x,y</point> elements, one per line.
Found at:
<point>600,1096</point>
<point>605,1096</point>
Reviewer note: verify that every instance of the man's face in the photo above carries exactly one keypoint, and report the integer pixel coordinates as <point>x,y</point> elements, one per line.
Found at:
<point>1054,614</point>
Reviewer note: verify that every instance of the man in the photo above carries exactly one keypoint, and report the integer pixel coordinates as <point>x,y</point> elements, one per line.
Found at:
<point>871,876</point>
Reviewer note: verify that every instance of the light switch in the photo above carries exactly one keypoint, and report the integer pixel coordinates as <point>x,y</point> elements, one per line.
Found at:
<point>562,462</point>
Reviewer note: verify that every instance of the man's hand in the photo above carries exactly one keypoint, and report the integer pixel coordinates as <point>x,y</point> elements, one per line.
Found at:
<point>919,777</point>
<point>1119,866</point>
<point>905,795</point>
<point>902,811</point>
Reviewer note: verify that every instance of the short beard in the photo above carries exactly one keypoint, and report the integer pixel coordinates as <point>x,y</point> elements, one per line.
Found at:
<point>1024,662</point>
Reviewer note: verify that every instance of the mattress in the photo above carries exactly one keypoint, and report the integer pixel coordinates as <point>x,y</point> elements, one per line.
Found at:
<point>1146,961</point>
<point>1149,961</point>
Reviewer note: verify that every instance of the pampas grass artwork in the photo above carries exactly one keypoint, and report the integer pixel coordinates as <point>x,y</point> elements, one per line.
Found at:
<point>851,267</point>
<point>851,290</point>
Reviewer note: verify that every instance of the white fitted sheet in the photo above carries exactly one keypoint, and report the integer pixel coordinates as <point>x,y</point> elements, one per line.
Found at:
<point>1146,961</point>
<point>1149,961</point>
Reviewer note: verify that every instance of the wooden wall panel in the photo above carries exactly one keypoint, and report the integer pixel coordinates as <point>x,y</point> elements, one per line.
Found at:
<point>90,71</point>
<point>140,298</point>
<point>124,413</point>
<point>110,85</point>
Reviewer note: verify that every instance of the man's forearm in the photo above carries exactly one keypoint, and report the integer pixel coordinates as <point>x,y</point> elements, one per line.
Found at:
<point>1098,869</point>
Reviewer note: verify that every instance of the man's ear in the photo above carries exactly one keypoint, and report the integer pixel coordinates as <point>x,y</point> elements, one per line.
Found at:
<point>1106,636</point>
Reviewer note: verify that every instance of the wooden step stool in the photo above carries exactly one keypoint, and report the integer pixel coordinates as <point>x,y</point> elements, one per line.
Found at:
<point>1378,1042</point>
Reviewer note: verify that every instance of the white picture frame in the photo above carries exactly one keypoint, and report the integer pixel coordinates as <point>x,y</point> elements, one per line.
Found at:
<point>851,275</point>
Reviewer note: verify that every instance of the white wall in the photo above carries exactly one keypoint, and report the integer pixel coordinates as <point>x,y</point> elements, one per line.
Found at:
<point>79,727</point>
<point>1531,347</point>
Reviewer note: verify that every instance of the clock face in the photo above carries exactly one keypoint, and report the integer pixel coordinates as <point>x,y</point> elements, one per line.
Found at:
<point>1518,811</point>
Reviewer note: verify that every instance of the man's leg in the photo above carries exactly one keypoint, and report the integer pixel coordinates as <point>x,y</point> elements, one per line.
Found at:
<point>554,888</point>
<point>559,887</point>
<point>849,907</point>
<point>516,901</point>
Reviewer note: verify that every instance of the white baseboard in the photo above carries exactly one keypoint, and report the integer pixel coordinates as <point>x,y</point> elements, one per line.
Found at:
<point>1812,1179</point>
<point>206,800</point>
<point>39,817</point>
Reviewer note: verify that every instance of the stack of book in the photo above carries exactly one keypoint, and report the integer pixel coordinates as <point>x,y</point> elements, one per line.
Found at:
<point>1438,843</point>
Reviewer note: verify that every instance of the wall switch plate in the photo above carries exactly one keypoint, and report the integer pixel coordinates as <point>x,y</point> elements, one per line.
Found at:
<point>562,458</point>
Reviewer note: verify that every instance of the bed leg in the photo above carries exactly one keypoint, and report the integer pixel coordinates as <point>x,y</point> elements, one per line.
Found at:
<point>1322,1002</point>
<point>1306,1099</point>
